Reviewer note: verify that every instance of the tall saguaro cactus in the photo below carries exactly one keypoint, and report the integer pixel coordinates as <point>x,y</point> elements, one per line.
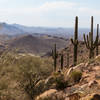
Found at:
<point>90,44</point>
<point>75,41</point>
<point>55,55</point>
<point>62,61</point>
<point>97,40</point>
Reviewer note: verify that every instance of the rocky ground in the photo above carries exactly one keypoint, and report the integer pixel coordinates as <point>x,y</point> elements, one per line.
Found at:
<point>86,88</point>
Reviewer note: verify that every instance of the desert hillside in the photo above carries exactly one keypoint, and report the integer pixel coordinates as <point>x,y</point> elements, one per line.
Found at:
<point>27,77</point>
<point>38,45</point>
<point>79,83</point>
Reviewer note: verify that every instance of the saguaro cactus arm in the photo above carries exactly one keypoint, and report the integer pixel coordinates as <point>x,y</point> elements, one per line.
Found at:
<point>72,41</point>
<point>86,41</point>
<point>96,42</point>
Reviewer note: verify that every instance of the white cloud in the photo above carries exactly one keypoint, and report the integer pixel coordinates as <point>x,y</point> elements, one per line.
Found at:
<point>48,6</point>
<point>57,5</point>
<point>56,13</point>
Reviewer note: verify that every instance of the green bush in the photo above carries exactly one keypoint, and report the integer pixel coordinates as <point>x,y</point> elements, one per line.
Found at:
<point>59,81</point>
<point>61,84</point>
<point>75,76</point>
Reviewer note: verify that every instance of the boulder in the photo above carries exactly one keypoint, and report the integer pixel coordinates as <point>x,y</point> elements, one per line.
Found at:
<point>52,94</point>
<point>92,83</point>
<point>47,95</point>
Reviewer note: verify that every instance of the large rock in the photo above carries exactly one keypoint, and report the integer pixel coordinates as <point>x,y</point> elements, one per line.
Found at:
<point>92,83</point>
<point>50,94</point>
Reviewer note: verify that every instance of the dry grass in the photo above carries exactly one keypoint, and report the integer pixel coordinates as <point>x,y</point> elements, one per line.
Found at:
<point>15,71</point>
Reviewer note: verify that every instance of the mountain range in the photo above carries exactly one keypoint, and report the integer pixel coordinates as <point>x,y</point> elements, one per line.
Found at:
<point>16,29</point>
<point>36,40</point>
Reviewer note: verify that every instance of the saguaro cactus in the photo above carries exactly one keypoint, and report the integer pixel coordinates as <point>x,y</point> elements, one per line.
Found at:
<point>90,44</point>
<point>97,40</point>
<point>75,41</point>
<point>55,55</point>
<point>62,61</point>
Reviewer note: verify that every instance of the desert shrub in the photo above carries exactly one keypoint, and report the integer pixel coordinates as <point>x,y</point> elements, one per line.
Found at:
<point>26,70</point>
<point>75,76</point>
<point>56,74</point>
<point>28,84</point>
<point>59,80</point>
<point>60,84</point>
<point>3,85</point>
<point>91,61</point>
<point>32,70</point>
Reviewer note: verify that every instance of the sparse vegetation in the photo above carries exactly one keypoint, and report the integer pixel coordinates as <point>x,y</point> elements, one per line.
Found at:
<point>59,80</point>
<point>20,73</point>
<point>75,76</point>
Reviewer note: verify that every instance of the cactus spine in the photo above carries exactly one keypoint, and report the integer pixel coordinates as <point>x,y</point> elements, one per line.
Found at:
<point>97,40</point>
<point>75,41</point>
<point>55,55</point>
<point>62,61</point>
<point>90,44</point>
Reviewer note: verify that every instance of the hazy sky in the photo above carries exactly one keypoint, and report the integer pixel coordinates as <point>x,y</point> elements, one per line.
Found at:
<point>50,13</point>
